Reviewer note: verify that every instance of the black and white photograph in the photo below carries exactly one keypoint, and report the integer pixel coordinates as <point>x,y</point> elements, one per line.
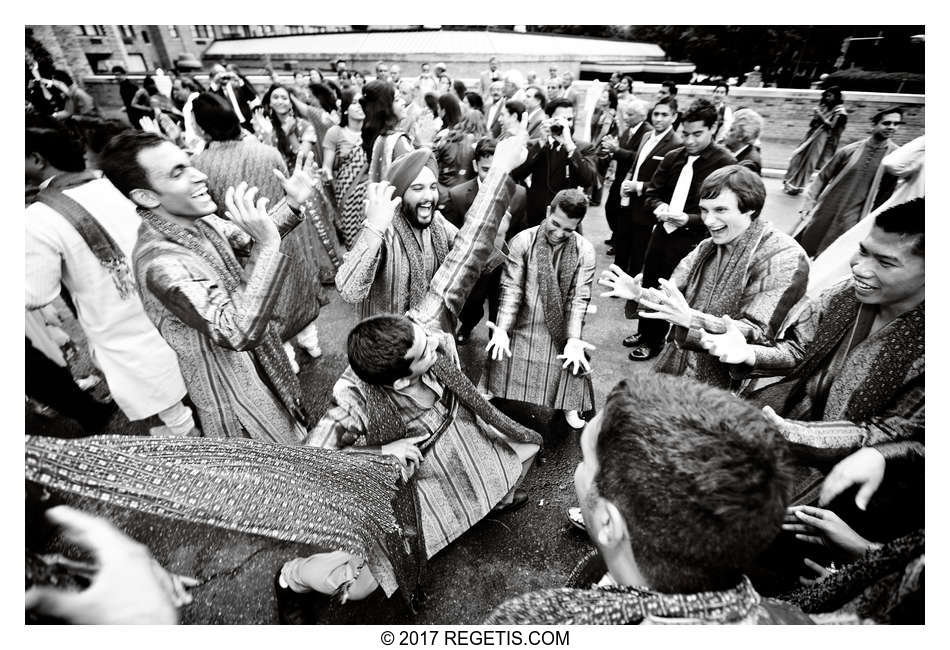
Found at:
<point>451,328</point>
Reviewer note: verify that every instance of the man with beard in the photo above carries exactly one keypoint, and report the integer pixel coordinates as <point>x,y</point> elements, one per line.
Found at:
<point>215,313</point>
<point>388,271</point>
<point>496,97</point>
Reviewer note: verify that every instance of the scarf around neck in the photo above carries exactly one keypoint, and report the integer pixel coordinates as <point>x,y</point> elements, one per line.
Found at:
<point>555,282</point>
<point>418,282</point>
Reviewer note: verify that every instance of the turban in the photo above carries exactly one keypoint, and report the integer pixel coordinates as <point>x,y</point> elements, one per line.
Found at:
<point>406,167</point>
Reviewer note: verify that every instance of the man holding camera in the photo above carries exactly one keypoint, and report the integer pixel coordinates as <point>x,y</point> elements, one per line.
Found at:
<point>238,96</point>
<point>555,162</point>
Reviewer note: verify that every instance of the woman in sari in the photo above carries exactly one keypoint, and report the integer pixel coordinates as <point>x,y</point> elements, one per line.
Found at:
<point>344,162</point>
<point>821,142</point>
<point>381,140</point>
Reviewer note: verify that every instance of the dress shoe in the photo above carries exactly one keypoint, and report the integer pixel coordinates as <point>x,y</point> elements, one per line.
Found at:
<point>632,341</point>
<point>519,498</point>
<point>643,352</point>
<point>611,251</point>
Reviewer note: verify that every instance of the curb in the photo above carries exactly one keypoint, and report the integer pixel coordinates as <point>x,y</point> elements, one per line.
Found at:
<point>772,173</point>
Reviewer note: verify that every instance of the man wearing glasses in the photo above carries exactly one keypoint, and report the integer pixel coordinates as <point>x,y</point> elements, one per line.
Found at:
<point>849,186</point>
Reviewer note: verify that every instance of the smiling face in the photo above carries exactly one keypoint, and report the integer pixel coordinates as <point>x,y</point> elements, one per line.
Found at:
<point>586,472</point>
<point>888,126</point>
<point>696,137</point>
<point>662,117</point>
<point>280,102</point>
<point>423,353</point>
<point>719,94</point>
<point>558,227</point>
<point>418,203</point>
<point>886,270</point>
<point>483,166</point>
<point>176,186</point>
<point>722,217</point>
<point>355,111</point>
<point>662,93</point>
<point>623,85</point>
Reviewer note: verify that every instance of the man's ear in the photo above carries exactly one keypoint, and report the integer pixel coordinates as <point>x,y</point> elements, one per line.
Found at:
<point>401,383</point>
<point>144,198</point>
<point>610,526</point>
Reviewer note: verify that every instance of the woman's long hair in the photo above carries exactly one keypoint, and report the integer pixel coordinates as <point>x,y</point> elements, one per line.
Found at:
<point>836,97</point>
<point>381,119</point>
<point>282,145</point>
<point>346,98</point>
<point>453,110</point>
<point>325,96</point>
<point>432,103</point>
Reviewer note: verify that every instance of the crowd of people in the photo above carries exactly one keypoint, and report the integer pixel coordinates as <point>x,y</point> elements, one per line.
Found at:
<point>767,470</point>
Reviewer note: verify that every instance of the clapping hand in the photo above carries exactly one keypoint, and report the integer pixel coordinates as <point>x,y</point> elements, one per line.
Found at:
<point>669,305</point>
<point>130,587</point>
<point>730,346</point>
<point>620,284</point>
<point>300,186</point>
<point>512,151</point>
<point>575,353</point>
<point>263,127</point>
<point>499,345</point>
<point>250,217</point>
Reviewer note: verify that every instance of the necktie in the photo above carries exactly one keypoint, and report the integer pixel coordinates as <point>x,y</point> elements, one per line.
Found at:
<point>229,91</point>
<point>644,152</point>
<point>680,192</point>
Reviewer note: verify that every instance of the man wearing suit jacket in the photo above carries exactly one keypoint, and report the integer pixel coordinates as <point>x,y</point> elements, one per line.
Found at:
<point>742,136</point>
<point>238,96</point>
<point>534,103</point>
<point>489,76</point>
<point>672,195</point>
<point>496,100</point>
<point>460,200</point>
<point>555,162</point>
<point>623,149</point>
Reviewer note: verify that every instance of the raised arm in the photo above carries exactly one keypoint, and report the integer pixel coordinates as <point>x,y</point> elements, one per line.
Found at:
<point>354,279</point>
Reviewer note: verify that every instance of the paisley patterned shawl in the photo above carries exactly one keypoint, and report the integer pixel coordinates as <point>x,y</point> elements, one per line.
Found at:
<point>555,283</point>
<point>418,281</point>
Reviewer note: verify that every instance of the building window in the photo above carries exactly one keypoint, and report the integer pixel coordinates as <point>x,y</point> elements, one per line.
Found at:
<point>127,31</point>
<point>145,36</point>
<point>268,30</point>
<point>202,31</point>
<point>91,30</point>
<point>173,31</point>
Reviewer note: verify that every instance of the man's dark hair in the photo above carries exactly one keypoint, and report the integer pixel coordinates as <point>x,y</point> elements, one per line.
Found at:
<point>906,220</point>
<point>701,110</point>
<point>118,69</point>
<point>515,108</point>
<point>572,202</point>
<point>744,183</point>
<point>554,104</point>
<point>58,147</point>
<point>669,101</point>
<point>539,94</point>
<point>377,348</point>
<point>96,132</point>
<point>475,101</point>
<point>887,111</point>
<point>119,160</point>
<point>62,75</point>
<point>699,475</point>
<point>485,147</point>
<point>671,86</point>
<point>216,117</point>
<point>722,84</point>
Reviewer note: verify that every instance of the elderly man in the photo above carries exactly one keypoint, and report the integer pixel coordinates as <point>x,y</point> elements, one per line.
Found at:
<point>623,149</point>
<point>497,99</point>
<point>487,77</point>
<point>850,185</point>
<point>214,312</point>
<point>682,487</point>
<point>746,270</point>
<point>382,71</point>
<point>742,137</point>
<point>388,270</point>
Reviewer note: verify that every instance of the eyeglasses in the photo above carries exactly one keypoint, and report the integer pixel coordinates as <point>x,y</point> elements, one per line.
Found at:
<point>891,123</point>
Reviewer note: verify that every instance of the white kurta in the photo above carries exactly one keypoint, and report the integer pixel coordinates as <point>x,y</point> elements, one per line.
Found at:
<point>141,370</point>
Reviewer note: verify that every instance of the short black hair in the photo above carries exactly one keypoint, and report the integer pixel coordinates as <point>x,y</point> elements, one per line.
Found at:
<point>119,160</point>
<point>475,101</point>
<point>700,476</point>
<point>905,219</point>
<point>485,147</point>
<point>572,202</point>
<point>669,101</point>
<point>540,95</point>
<point>515,108</point>
<point>377,347</point>
<point>96,132</point>
<point>216,117</point>
<point>118,69</point>
<point>722,84</point>
<point>671,86</point>
<point>701,110</point>
<point>742,181</point>
<point>554,104</point>
<point>58,147</point>
<point>62,75</point>
<point>887,111</point>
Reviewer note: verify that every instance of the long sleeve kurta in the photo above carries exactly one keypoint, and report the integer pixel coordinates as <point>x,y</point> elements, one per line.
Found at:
<point>471,466</point>
<point>213,330</point>
<point>533,373</point>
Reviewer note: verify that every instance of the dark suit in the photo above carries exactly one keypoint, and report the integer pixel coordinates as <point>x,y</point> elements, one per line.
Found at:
<point>751,158</point>
<point>534,126</point>
<point>460,199</point>
<point>552,170</point>
<point>636,224</point>
<point>665,250</point>
<point>494,127</point>
<point>244,96</point>
<point>628,142</point>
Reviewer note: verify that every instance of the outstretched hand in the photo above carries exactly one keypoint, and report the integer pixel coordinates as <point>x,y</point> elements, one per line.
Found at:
<point>130,587</point>
<point>499,345</point>
<point>250,217</point>
<point>865,468</point>
<point>574,354</point>
<point>669,305</point>
<point>730,346</point>
<point>380,206</point>
<point>512,151</point>
<point>620,284</point>
<point>300,186</point>
<point>824,528</point>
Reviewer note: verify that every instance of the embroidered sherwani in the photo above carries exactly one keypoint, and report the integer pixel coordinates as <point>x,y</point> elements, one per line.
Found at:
<point>471,466</point>
<point>380,284</point>
<point>214,331</point>
<point>533,373</point>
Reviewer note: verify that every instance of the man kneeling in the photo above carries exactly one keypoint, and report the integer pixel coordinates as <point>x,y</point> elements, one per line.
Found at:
<point>682,486</point>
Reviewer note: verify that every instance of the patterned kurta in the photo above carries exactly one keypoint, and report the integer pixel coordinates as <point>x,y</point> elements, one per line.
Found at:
<point>379,283</point>
<point>772,283</point>
<point>213,331</point>
<point>533,373</point>
<point>471,467</point>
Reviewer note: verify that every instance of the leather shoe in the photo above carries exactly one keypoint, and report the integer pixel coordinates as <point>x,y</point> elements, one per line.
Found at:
<point>632,341</point>
<point>611,251</point>
<point>519,498</point>
<point>643,352</point>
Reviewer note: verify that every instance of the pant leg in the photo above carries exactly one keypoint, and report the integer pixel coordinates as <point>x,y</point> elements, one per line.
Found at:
<point>178,418</point>
<point>474,307</point>
<point>636,248</point>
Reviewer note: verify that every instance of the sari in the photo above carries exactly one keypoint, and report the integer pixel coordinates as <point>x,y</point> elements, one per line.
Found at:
<point>816,149</point>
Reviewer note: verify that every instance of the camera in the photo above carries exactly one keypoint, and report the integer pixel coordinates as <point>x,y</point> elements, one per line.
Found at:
<point>557,129</point>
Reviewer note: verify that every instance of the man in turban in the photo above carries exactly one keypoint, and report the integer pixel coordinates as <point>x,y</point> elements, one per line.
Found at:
<point>389,268</point>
